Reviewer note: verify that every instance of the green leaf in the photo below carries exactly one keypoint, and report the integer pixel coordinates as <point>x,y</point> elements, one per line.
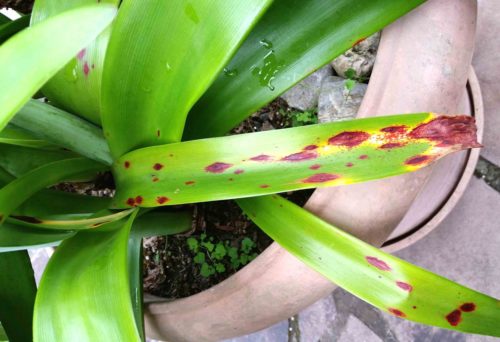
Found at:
<point>63,129</point>
<point>220,268</point>
<point>17,295</point>
<point>14,237</point>
<point>3,335</point>
<point>158,223</point>
<point>36,54</point>
<point>219,252</point>
<point>12,135</point>
<point>381,279</point>
<point>199,258</point>
<point>162,56</point>
<point>16,192</point>
<point>261,163</point>
<point>292,39</point>
<point>207,270</point>
<point>12,27</point>
<point>77,87</point>
<point>247,245</point>
<point>192,244</point>
<point>84,292</point>
<point>18,160</point>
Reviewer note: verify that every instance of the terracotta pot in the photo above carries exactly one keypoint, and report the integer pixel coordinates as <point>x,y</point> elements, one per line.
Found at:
<point>422,65</point>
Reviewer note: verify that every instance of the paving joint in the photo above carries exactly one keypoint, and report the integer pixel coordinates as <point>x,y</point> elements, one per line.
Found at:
<point>293,329</point>
<point>488,172</point>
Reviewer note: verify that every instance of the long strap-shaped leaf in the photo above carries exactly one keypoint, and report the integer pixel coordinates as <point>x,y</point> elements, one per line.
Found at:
<point>269,162</point>
<point>9,29</point>
<point>149,224</point>
<point>70,223</point>
<point>14,237</point>
<point>294,38</point>
<point>162,56</point>
<point>17,295</point>
<point>63,129</point>
<point>84,292</point>
<point>381,279</point>
<point>13,135</point>
<point>15,193</point>
<point>39,52</point>
<point>77,87</point>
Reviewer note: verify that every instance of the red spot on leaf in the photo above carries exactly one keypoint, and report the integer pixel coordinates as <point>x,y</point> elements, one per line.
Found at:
<point>468,307</point>
<point>414,307</point>
<point>189,182</point>
<point>310,147</point>
<point>126,164</point>
<point>417,160</point>
<point>404,286</point>
<point>391,145</point>
<point>158,166</point>
<point>358,41</point>
<point>448,131</point>
<point>131,202</point>
<point>363,156</point>
<point>262,157</point>
<point>218,167</point>
<point>155,179</point>
<point>454,317</point>
<point>86,69</point>
<point>315,167</point>
<point>349,164</point>
<point>320,178</point>
<point>239,171</point>
<point>158,133</point>
<point>394,129</point>
<point>349,139</point>
<point>81,54</point>
<point>301,156</point>
<point>381,265</point>
<point>263,186</point>
<point>162,199</point>
<point>396,312</point>
<point>138,200</point>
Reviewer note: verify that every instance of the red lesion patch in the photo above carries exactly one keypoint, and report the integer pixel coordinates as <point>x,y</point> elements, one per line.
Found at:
<point>138,200</point>
<point>301,156</point>
<point>86,69</point>
<point>349,165</point>
<point>396,312</point>
<point>162,199</point>
<point>468,307</point>
<point>446,131</point>
<point>321,178</point>
<point>131,202</point>
<point>349,139</point>
<point>363,156</point>
<point>158,133</point>
<point>310,147</point>
<point>454,317</point>
<point>418,160</point>
<point>264,186</point>
<point>314,167</point>
<point>404,286</point>
<point>155,179</point>
<point>126,164</point>
<point>158,166</point>
<point>394,129</point>
<point>81,54</point>
<point>218,167</point>
<point>391,146</point>
<point>239,171</point>
<point>262,157</point>
<point>381,265</point>
<point>189,182</point>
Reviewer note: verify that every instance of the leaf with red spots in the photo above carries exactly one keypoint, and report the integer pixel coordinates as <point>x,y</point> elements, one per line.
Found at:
<point>77,86</point>
<point>383,280</point>
<point>237,166</point>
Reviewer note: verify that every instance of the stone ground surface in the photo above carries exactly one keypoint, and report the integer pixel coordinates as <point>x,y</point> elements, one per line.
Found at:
<point>465,248</point>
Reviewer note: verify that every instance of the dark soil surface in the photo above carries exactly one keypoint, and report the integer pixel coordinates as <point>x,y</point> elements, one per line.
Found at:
<point>170,267</point>
<point>23,6</point>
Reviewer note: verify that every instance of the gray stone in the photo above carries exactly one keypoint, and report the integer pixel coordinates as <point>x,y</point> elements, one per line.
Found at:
<point>276,333</point>
<point>337,102</point>
<point>316,321</point>
<point>357,331</point>
<point>304,95</point>
<point>360,58</point>
<point>487,66</point>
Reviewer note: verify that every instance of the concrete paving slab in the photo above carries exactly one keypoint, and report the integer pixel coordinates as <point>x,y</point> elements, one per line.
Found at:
<point>487,65</point>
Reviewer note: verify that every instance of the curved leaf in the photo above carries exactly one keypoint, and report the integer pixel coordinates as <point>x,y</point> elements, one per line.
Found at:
<point>294,38</point>
<point>16,192</point>
<point>64,129</point>
<point>84,292</point>
<point>12,135</point>
<point>77,87</point>
<point>10,28</point>
<point>255,164</point>
<point>381,279</point>
<point>17,295</point>
<point>14,237</point>
<point>173,51</point>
